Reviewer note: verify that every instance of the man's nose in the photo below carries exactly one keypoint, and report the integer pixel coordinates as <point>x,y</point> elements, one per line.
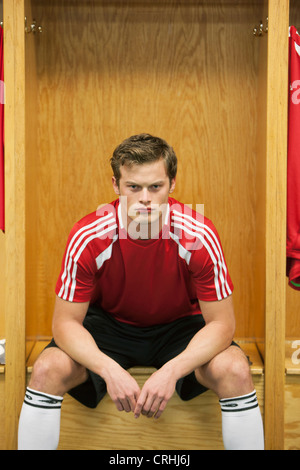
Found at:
<point>145,196</point>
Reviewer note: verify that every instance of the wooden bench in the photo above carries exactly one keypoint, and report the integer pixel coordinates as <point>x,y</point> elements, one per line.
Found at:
<point>34,348</point>
<point>183,426</point>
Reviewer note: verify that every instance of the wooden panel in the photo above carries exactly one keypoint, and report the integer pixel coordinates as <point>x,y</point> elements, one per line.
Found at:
<point>276,222</point>
<point>258,305</point>
<point>2,411</point>
<point>31,162</point>
<point>104,428</point>
<point>198,420</point>
<point>292,357</point>
<point>292,413</point>
<point>184,72</point>
<point>15,215</point>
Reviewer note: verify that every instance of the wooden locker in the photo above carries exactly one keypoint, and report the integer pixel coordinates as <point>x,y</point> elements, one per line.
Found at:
<point>292,347</point>
<point>194,74</point>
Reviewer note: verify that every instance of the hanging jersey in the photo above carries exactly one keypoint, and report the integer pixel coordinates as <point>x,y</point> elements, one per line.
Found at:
<point>293,163</point>
<point>2,202</point>
<point>144,282</point>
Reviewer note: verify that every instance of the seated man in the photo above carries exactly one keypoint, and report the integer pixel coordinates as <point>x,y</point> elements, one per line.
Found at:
<point>143,282</point>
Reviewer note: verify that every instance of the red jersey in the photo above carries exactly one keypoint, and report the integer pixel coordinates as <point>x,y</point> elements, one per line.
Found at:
<point>293,163</point>
<point>2,202</point>
<point>144,282</point>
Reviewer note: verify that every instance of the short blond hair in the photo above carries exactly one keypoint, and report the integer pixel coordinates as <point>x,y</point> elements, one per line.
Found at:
<point>143,148</point>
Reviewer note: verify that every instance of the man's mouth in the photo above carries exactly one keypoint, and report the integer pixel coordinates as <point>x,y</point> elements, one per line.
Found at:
<point>144,210</point>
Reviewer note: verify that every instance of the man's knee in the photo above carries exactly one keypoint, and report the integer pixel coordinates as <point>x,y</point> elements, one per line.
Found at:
<point>233,364</point>
<point>229,373</point>
<point>54,372</point>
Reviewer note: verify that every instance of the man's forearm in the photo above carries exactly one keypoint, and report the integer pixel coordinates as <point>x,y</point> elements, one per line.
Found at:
<point>213,338</point>
<point>79,344</point>
<point>76,341</point>
<point>204,346</point>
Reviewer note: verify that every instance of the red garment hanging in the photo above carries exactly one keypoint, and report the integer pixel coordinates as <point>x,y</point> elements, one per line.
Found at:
<point>293,163</point>
<point>2,222</point>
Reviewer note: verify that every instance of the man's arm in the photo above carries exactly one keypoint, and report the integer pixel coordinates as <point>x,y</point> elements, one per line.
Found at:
<point>214,338</point>
<point>70,335</point>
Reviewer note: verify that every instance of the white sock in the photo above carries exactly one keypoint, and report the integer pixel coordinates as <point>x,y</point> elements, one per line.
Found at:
<point>39,423</point>
<point>242,425</point>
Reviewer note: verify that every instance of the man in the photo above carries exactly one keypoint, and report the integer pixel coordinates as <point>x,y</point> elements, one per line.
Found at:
<point>143,282</point>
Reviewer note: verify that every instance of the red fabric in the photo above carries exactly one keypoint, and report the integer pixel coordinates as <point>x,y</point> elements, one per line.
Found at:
<point>293,163</point>
<point>2,222</point>
<point>144,282</point>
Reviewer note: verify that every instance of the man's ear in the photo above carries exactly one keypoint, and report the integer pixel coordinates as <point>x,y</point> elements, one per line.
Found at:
<point>115,186</point>
<point>172,185</point>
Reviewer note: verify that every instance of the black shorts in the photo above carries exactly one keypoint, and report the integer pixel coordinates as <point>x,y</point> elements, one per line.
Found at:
<point>132,346</point>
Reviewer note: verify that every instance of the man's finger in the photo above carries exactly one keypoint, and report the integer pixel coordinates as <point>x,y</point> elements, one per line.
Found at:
<point>153,408</point>
<point>133,401</point>
<point>160,409</point>
<point>119,405</point>
<point>139,405</point>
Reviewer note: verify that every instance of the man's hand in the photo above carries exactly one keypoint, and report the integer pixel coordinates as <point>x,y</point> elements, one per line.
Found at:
<point>155,394</point>
<point>122,388</point>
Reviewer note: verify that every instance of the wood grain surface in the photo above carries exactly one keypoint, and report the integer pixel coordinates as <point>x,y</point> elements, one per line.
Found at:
<point>108,70</point>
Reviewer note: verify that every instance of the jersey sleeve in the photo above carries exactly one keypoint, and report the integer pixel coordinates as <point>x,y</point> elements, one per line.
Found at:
<point>208,266</point>
<point>76,279</point>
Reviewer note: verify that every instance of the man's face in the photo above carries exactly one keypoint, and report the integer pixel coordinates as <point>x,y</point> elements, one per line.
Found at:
<point>144,191</point>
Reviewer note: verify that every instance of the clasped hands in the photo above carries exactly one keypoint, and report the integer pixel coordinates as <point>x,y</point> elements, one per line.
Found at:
<point>149,401</point>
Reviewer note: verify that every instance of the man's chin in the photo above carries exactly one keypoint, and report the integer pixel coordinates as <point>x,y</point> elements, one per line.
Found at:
<point>146,219</point>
